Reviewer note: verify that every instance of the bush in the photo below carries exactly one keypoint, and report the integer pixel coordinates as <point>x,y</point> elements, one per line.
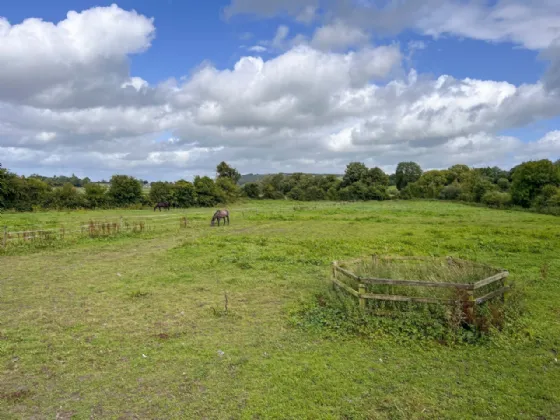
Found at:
<point>393,192</point>
<point>95,195</point>
<point>252,190</point>
<point>161,192</point>
<point>530,178</point>
<point>125,191</point>
<point>185,194</point>
<point>208,194</point>
<point>497,199</point>
<point>451,192</point>
<point>503,184</point>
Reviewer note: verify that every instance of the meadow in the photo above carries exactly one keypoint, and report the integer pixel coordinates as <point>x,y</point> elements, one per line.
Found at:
<point>206,322</point>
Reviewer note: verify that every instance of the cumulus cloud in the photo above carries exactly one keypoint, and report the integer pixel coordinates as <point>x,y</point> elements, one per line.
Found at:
<point>79,61</point>
<point>73,106</point>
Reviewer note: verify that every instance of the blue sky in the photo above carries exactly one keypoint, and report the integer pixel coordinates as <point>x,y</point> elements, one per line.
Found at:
<point>69,106</point>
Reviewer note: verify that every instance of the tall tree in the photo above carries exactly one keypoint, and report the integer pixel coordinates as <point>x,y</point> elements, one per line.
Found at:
<point>355,172</point>
<point>225,171</point>
<point>407,173</point>
<point>377,176</point>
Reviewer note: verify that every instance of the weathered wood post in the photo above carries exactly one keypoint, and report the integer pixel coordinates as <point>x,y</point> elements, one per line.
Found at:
<point>470,307</point>
<point>5,238</point>
<point>121,226</point>
<point>362,291</point>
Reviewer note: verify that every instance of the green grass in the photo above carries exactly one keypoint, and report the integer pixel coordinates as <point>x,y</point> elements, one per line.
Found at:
<point>135,326</point>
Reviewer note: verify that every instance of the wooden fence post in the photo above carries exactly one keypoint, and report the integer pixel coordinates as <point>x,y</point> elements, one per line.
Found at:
<point>121,223</point>
<point>362,291</point>
<point>471,306</point>
<point>5,239</point>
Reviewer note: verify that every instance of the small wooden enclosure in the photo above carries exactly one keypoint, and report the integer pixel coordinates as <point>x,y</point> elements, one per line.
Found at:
<point>468,293</point>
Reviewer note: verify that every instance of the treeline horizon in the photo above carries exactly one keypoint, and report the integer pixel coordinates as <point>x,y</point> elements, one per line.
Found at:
<point>529,185</point>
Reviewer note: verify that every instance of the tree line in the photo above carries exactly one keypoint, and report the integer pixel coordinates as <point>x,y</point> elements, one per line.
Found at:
<point>532,184</point>
<point>22,193</point>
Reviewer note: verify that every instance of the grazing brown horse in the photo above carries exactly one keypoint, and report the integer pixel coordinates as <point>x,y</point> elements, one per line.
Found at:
<point>220,214</point>
<point>164,204</point>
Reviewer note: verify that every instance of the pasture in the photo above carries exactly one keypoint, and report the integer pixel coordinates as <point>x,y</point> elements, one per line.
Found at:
<point>136,326</point>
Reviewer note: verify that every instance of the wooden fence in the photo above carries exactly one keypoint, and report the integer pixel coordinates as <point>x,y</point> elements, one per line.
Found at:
<point>94,228</point>
<point>470,289</point>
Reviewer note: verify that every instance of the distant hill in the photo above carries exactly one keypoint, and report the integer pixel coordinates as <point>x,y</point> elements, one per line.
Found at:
<point>257,177</point>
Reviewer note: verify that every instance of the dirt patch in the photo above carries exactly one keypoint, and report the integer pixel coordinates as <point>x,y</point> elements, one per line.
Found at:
<point>15,396</point>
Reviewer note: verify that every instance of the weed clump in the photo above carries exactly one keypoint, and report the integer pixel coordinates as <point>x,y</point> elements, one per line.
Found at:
<point>444,314</point>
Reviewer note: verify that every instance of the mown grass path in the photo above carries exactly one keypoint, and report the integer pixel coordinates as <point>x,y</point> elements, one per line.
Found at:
<point>133,327</point>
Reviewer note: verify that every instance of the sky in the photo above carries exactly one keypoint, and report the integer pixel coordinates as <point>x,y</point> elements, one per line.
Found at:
<point>167,89</point>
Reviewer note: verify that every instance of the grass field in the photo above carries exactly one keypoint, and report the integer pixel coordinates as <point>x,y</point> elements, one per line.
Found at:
<point>135,326</point>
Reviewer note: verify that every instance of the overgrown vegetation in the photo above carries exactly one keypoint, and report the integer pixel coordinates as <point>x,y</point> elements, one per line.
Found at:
<point>339,313</point>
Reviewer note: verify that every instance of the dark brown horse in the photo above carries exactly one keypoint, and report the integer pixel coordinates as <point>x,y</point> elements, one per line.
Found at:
<point>220,214</point>
<point>164,204</point>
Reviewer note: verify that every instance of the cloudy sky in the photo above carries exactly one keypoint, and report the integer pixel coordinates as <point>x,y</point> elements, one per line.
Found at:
<point>165,89</point>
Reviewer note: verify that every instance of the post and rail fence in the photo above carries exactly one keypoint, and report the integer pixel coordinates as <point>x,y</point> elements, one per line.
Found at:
<point>470,289</point>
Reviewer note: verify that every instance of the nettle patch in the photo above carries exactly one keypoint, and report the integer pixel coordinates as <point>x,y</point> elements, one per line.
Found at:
<point>446,299</point>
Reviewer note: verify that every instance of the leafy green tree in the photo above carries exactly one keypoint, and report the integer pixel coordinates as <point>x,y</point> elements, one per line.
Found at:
<point>530,178</point>
<point>125,190</point>
<point>355,172</point>
<point>376,176</point>
<point>229,189</point>
<point>480,186</point>
<point>207,192</point>
<point>252,190</point>
<point>458,173</point>
<point>185,194</point>
<point>95,195</point>
<point>430,184</point>
<point>161,192</point>
<point>492,173</point>
<point>503,184</point>
<point>407,173</point>
<point>225,171</point>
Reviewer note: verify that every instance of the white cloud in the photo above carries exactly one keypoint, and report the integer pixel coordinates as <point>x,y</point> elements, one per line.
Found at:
<point>533,24</point>
<point>338,36</point>
<point>309,108</point>
<point>257,49</point>
<point>79,60</point>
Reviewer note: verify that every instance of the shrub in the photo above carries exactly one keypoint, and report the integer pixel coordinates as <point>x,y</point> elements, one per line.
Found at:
<point>497,199</point>
<point>252,190</point>
<point>451,192</point>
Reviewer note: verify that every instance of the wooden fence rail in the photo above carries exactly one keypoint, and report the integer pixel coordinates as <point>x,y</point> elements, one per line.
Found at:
<point>469,288</point>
